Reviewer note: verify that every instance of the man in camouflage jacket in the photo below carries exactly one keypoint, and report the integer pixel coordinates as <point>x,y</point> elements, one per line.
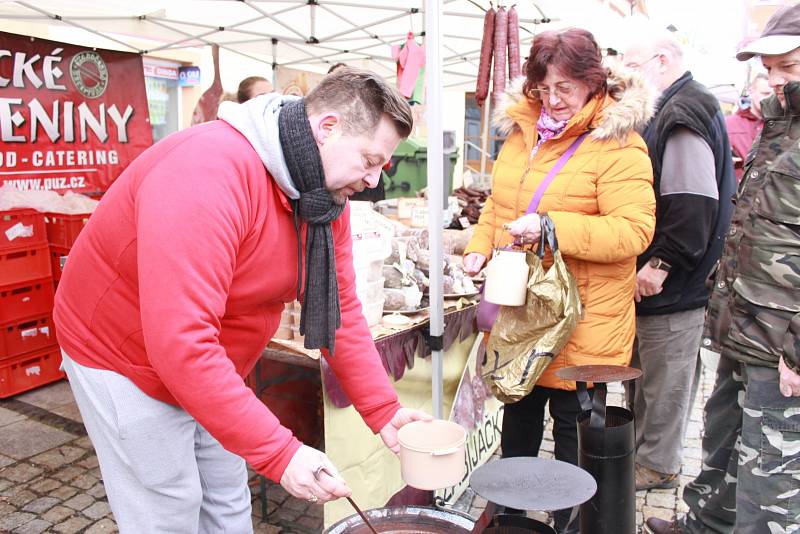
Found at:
<point>750,478</point>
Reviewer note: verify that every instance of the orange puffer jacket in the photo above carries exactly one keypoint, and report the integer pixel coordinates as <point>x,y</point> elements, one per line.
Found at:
<point>602,204</point>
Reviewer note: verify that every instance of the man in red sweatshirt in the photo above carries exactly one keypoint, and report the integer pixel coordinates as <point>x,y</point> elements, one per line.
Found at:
<point>178,282</point>
<point>744,125</point>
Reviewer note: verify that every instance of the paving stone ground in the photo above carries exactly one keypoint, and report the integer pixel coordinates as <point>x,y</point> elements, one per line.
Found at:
<point>654,503</point>
<point>50,481</point>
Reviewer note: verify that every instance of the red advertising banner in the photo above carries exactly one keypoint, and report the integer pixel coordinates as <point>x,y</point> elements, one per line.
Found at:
<point>71,117</point>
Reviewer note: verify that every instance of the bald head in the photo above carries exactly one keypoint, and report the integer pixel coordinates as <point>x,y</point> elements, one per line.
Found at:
<point>657,56</point>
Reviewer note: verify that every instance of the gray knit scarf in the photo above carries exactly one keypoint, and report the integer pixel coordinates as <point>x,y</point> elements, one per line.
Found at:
<point>320,310</point>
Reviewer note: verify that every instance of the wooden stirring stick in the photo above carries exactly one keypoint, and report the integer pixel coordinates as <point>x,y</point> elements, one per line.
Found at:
<point>351,501</point>
<point>363,516</point>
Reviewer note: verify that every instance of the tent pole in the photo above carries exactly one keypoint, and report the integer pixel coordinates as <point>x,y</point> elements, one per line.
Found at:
<point>353,24</point>
<point>433,103</point>
<point>274,64</point>
<point>313,10</point>
<point>272,17</point>
<point>484,141</point>
<point>371,6</point>
<point>363,26</point>
<point>69,21</point>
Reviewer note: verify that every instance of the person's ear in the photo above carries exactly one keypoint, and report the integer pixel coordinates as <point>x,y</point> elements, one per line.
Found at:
<point>329,128</point>
<point>663,62</point>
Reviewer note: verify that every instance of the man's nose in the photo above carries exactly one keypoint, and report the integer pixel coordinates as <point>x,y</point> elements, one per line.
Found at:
<point>776,81</point>
<point>372,179</point>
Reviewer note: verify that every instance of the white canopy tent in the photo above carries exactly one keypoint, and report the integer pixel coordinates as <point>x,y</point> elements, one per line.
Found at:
<point>310,34</point>
<point>313,34</point>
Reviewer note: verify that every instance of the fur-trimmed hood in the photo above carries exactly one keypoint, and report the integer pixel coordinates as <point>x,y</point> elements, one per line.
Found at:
<point>628,106</point>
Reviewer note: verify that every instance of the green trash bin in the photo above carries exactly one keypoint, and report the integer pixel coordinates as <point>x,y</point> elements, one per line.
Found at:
<point>409,170</point>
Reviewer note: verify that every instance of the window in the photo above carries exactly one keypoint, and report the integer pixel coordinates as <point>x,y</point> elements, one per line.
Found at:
<point>163,97</point>
<point>473,128</point>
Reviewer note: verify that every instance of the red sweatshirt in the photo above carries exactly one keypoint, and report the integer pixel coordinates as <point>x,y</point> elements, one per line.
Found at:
<point>743,127</point>
<point>178,282</point>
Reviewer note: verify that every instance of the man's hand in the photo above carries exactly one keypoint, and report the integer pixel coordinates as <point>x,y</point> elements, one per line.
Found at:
<point>402,417</point>
<point>526,229</point>
<point>649,282</point>
<point>473,262</point>
<point>789,380</point>
<point>310,475</point>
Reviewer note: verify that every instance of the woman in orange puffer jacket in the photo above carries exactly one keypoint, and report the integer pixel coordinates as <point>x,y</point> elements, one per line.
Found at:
<point>602,204</point>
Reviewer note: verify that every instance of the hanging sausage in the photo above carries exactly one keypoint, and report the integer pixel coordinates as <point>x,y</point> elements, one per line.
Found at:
<point>500,53</point>
<point>485,65</point>
<point>500,44</point>
<point>513,44</point>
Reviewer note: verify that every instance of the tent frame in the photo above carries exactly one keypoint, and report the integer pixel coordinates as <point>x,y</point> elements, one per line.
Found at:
<point>332,54</point>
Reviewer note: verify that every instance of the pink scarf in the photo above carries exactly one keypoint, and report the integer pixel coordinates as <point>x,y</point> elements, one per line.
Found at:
<point>548,127</point>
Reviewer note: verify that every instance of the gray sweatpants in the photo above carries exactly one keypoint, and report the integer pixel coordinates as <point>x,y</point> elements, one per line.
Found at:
<point>666,351</point>
<point>163,472</point>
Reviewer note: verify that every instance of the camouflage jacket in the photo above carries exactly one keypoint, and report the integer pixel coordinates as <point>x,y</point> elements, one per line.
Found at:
<point>754,311</point>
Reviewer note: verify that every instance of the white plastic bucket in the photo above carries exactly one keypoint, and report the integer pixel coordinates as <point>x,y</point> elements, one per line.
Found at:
<point>432,454</point>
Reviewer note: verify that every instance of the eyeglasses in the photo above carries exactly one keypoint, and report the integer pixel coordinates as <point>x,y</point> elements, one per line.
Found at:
<point>637,66</point>
<point>562,90</point>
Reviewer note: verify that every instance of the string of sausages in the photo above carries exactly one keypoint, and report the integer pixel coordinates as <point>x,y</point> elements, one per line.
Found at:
<point>500,44</point>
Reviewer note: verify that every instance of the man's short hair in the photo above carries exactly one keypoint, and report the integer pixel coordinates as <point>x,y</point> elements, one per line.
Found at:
<point>361,98</point>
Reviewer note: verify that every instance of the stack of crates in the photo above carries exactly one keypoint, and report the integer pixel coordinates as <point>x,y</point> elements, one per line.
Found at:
<point>62,231</point>
<point>29,353</point>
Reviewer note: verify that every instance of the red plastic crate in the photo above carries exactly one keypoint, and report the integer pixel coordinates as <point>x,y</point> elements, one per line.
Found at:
<point>63,229</point>
<point>26,335</point>
<point>24,264</point>
<point>55,260</point>
<point>21,228</point>
<point>26,299</point>
<point>29,371</point>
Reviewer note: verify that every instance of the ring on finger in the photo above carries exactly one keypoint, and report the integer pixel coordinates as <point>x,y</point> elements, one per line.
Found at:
<point>313,498</point>
<point>318,470</point>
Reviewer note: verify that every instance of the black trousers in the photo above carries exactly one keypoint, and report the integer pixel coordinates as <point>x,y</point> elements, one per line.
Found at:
<point>523,430</point>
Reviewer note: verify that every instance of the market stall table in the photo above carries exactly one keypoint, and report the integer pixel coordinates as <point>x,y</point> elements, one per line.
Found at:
<point>398,349</point>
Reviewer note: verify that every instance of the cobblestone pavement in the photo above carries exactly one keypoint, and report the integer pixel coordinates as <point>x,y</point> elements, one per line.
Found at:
<point>653,503</point>
<point>50,481</point>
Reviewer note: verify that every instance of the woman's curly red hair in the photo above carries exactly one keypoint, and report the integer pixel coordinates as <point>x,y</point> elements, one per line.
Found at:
<point>574,52</point>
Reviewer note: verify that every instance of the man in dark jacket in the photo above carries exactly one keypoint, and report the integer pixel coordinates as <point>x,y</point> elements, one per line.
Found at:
<point>751,447</point>
<point>744,125</point>
<point>694,182</point>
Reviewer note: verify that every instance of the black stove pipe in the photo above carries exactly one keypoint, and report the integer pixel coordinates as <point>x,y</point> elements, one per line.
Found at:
<point>606,445</point>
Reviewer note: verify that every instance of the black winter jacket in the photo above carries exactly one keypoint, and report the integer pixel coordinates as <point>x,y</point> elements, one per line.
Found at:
<point>690,227</point>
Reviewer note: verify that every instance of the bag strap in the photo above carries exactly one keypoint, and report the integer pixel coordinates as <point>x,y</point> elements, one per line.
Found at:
<point>537,196</point>
<point>547,236</point>
<point>595,403</point>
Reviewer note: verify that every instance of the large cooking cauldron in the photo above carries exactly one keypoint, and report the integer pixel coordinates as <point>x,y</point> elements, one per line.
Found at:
<point>516,524</point>
<point>405,520</point>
